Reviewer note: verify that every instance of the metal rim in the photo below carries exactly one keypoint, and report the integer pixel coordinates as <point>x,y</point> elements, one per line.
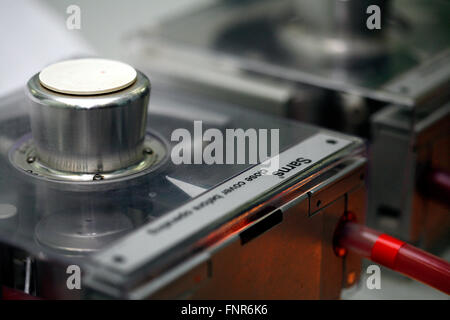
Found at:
<point>23,157</point>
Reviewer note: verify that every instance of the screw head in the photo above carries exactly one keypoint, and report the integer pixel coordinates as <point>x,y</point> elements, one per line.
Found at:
<point>98,177</point>
<point>31,159</point>
<point>148,151</point>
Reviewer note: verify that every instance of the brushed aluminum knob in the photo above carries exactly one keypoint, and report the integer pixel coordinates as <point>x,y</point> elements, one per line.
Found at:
<point>89,115</point>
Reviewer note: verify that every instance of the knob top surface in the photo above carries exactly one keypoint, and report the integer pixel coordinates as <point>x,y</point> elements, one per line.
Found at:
<point>87,76</point>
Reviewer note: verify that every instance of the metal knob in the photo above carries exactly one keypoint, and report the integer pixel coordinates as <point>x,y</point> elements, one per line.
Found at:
<point>89,115</point>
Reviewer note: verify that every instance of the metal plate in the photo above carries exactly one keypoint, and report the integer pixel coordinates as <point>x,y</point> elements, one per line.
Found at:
<point>87,76</point>
<point>218,203</point>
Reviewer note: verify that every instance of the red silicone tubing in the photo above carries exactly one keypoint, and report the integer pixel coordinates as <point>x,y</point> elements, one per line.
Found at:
<point>395,254</point>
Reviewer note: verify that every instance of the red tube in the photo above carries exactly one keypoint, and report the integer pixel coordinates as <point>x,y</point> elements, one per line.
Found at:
<point>12,294</point>
<point>394,254</point>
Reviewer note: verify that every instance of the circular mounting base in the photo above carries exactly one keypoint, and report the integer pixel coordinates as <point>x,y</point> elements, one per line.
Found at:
<point>23,156</point>
<point>72,232</point>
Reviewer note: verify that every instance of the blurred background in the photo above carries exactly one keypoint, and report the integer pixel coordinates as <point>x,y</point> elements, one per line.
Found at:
<point>104,25</point>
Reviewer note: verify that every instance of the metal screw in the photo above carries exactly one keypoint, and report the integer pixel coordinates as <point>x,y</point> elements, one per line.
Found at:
<point>98,177</point>
<point>31,159</point>
<point>148,151</point>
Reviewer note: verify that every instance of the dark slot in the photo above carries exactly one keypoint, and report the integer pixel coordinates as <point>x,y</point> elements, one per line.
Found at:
<point>388,211</point>
<point>261,227</point>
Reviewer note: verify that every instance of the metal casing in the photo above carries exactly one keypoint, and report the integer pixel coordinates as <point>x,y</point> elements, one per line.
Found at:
<point>89,134</point>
